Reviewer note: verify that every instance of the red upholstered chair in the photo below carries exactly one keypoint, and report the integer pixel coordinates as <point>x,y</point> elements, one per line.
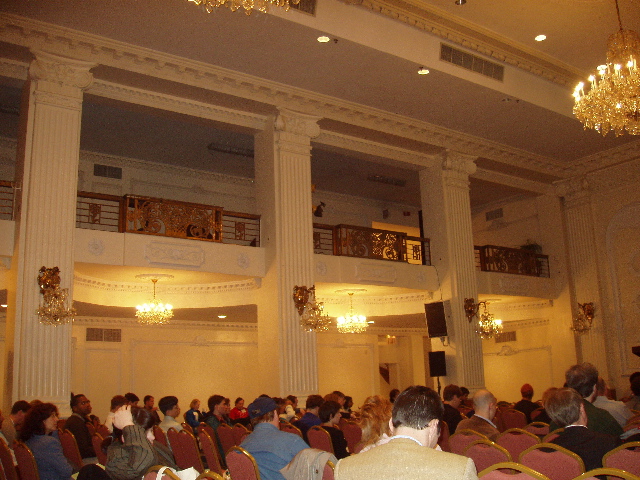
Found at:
<point>96,441</point>
<point>510,471</point>
<point>443,439</point>
<point>512,418</point>
<point>189,451</point>
<point>352,433</point>
<point>210,451</point>
<point>459,441</point>
<point>516,441</point>
<point>625,457</point>
<point>209,475</point>
<point>176,447</point>
<point>319,438</point>
<point>552,460</point>
<point>70,449</point>
<point>152,474</point>
<point>226,436</point>
<point>239,433</point>
<point>242,466</point>
<point>6,459</point>
<point>288,427</point>
<point>160,435</point>
<point>187,427</point>
<point>551,435</point>
<point>535,413</point>
<point>207,428</point>
<point>609,473</point>
<point>26,463</point>
<point>538,428</point>
<point>327,473</point>
<point>485,453</point>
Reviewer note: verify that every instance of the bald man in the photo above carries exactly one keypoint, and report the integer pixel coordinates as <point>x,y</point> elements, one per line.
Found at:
<point>485,405</point>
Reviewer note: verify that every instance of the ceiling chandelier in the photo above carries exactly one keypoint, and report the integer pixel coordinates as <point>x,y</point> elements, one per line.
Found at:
<point>352,323</point>
<point>248,5</point>
<point>582,323</point>
<point>155,312</point>
<point>612,101</point>
<point>55,310</point>
<point>312,317</point>
<point>488,326</point>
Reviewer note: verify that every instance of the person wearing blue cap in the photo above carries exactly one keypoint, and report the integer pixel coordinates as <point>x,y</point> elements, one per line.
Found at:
<point>272,448</point>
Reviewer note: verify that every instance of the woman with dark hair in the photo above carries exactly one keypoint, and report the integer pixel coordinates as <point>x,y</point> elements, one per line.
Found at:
<point>40,433</point>
<point>131,448</point>
<point>239,414</point>
<point>329,414</point>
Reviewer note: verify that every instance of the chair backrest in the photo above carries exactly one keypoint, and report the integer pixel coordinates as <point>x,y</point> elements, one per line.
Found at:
<point>288,427</point>
<point>608,472</point>
<point>485,453</point>
<point>327,473</point>
<point>242,466</point>
<point>70,449</point>
<point>239,433</point>
<point>26,463</point>
<point>207,428</point>
<point>174,444</point>
<point>512,418</point>
<point>352,433</point>
<point>189,451</point>
<point>160,435</point>
<point>510,471</point>
<point>538,428</point>
<point>209,475</point>
<point>443,439</point>
<point>152,473</point>
<point>7,461</point>
<point>319,438</point>
<point>96,441</point>
<point>516,441</point>
<point>187,427</point>
<point>460,440</point>
<point>552,435</point>
<point>226,436</point>
<point>552,460</point>
<point>535,413</point>
<point>210,451</point>
<point>625,457</point>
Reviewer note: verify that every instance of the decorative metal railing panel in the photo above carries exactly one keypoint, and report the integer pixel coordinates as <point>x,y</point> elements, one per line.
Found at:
<point>96,211</point>
<point>7,190</point>
<point>241,228</point>
<point>491,258</point>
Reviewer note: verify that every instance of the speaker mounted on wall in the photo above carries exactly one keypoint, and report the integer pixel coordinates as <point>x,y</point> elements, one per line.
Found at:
<point>437,364</point>
<point>436,319</point>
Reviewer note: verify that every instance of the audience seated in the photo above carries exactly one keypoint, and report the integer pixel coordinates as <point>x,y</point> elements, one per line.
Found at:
<point>410,453</point>
<point>393,394</point>
<point>116,402</point>
<point>452,396</point>
<point>567,409</point>
<point>193,417</point>
<point>132,399</point>
<point>149,402</point>
<point>271,448</point>
<point>330,416</point>
<point>629,395</point>
<point>239,413</point>
<point>170,409</point>
<point>214,419</point>
<point>14,420</point>
<point>77,424</point>
<point>485,405</point>
<point>526,405</point>
<point>374,422</point>
<point>634,402</point>
<point>618,410</point>
<point>310,418</point>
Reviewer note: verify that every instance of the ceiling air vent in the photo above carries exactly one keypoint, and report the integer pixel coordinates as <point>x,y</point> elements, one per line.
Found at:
<point>104,335</point>
<point>107,171</point>
<point>506,337</point>
<point>306,6</point>
<point>471,62</point>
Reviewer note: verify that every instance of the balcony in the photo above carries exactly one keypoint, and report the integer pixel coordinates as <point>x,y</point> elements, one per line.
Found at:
<point>516,261</point>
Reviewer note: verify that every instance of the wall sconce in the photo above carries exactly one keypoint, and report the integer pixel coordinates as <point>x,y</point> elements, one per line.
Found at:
<point>471,308</point>
<point>312,318</point>
<point>582,323</point>
<point>55,310</point>
<point>488,326</point>
<point>318,211</point>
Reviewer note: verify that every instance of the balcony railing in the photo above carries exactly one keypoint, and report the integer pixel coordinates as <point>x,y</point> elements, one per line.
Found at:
<point>491,258</point>
<point>6,200</point>
<point>363,242</point>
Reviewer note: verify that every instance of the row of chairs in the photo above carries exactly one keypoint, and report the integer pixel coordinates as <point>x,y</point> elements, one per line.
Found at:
<point>319,438</point>
<point>27,468</point>
<point>517,471</point>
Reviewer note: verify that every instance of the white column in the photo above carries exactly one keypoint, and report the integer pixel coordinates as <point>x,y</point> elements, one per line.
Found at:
<point>39,356</point>
<point>583,268</point>
<point>283,186</point>
<point>446,212</point>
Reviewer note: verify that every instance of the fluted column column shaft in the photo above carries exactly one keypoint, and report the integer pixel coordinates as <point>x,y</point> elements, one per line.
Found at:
<point>284,175</point>
<point>38,356</point>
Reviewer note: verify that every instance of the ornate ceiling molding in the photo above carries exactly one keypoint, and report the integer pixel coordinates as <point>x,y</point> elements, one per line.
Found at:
<point>376,300</point>
<point>104,322</point>
<point>510,326</point>
<point>131,287</point>
<point>472,37</point>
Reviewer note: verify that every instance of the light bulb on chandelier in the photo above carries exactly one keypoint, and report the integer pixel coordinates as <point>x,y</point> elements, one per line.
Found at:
<point>155,312</point>
<point>352,323</point>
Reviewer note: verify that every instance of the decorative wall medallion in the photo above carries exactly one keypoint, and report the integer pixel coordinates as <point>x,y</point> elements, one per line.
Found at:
<point>173,254</point>
<point>376,273</point>
<point>321,268</point>
<point>243,260</point>
<point>96,247</point>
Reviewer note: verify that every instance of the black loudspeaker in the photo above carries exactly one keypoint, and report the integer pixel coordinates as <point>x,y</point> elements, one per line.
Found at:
<point>437,364</point>
<point>436,319</point>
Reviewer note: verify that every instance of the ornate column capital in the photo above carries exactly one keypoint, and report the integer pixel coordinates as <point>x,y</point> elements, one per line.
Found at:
<point>297,123</point>
<point>60,80</point>
<point>575,190</point>
<point>460,163</point>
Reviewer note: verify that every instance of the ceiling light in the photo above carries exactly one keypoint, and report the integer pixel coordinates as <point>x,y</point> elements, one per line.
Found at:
<point>3,306</point>
<point>324,39</point>
<point>460,2</point>
<point>540,38</point>
<point>155,312</point>
<point>423,71</point>
<point>222,316</point>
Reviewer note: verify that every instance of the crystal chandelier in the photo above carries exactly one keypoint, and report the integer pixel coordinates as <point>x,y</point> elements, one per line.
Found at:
<point>582,323</point>
<point>55,310</point>
<point>488,326</point>
<point>312,317</point>
<point>154,312</point>
<point>612,101</point>
<point>248,5</point>
<point>352,323</point>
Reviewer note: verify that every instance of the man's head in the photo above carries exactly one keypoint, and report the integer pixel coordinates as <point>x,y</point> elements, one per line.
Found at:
<point>132,398</point>
<point>418,411</point>
<point>19,410</point>
<point>565,407</point>
<point>263,410</point>
<point>169,406</point>
<point>526,391</point>
<point>80,404</point>
<point>582,378</point>
<point>485,404</point>
<point>328,411</point>
<point>117,401</point>
<point>452,395</point>
<point>313,403</point>
<point>149,401</point>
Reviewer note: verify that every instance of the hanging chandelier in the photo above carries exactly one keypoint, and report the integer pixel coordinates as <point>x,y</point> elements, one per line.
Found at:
<point>612,101</point>
<point>352,323</point>
<point>55,309</point>
<point>155,312</point>
<point>248,5</point>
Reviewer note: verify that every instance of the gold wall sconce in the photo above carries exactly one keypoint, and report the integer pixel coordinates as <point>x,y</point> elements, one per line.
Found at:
<point>55,310</point>
<point>488,326</point>
<point>583,322</point>
<point>312,317</point>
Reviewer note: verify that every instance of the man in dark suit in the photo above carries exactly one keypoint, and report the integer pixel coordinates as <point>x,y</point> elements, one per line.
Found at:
<point>566,408</point>
<point>526,405</point>
<point>452,396</point>
<point>77,424</point>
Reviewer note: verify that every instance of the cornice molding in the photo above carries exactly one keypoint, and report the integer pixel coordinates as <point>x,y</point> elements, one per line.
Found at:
<point>509,326</point>
<point>511,307</point>
<point>376,300</point>
<point>112,322</point>
<point>131,287</point>
<point>508,350</point>
<point>472,37</point>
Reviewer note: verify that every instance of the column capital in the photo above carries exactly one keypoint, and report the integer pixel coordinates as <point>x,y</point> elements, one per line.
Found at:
<point>574,190</point>
<point>457,162</point>
<point>61,70</point>
<point>297,123</point>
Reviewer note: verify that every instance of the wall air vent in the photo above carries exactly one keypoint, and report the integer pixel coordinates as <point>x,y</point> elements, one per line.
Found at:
<point>107,171</point>
<point>506,337</point>
<point>471,62</point>
<point>104,335</point>
<point>494,214</point>
<point>398,182</point>
<point>306,6</point>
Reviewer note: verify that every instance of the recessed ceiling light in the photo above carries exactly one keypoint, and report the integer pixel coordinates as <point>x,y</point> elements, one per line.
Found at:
<point>423,71</point>
<point>324,39</point>
<point>222,316</point>
<point>540,38</point>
